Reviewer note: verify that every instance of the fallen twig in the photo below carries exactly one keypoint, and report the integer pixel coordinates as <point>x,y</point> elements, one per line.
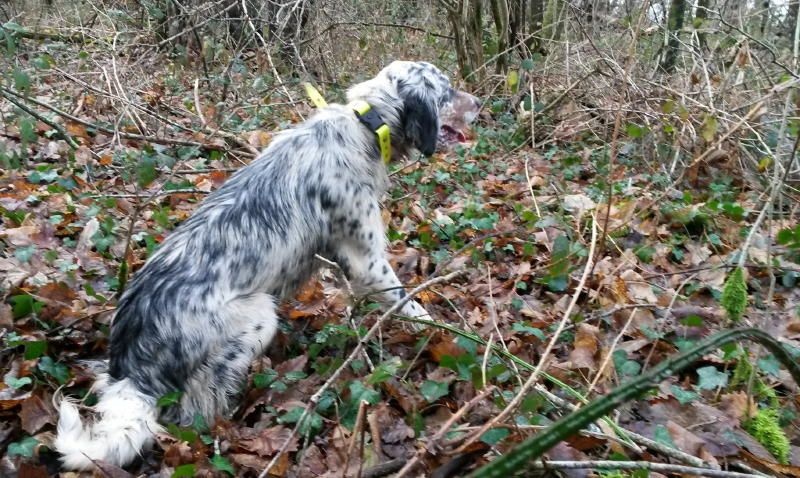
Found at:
<point>150,139</point>
<point>71,142</point>
<point>433,442</point>
<point>637,465</point>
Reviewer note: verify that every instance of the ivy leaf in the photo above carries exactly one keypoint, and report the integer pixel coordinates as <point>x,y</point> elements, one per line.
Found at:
<point>710,378</point>
<point>23,447</point>
<point>433,391</point>
<point>635,131</point>
<point>311,424</point>
<point>264,379</point>
<point>527,64</point>
<point>27,129</point>
<point>683,396</point>
<point>22,82</point>
<point>184,471</point>
<point>222,464</point>
<point>35,349</point>
<point>661,435</point>
<point>24,304</point>
<point>146,171</point>
<point>384,372</point>
<point>168,399</point>
<point>527,329</point>
<point>359,392</point>
<point>494,436</point>
<point>557,278</point>
<point>785,236</point>
<point>17,383</point>
<point>58,371</point>
<point>770,365</point>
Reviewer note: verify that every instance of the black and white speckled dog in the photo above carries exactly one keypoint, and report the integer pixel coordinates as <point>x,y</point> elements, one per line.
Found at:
<point>203,306</point>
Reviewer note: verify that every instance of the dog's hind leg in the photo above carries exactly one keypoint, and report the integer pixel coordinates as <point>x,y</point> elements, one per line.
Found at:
<point>251,323</point>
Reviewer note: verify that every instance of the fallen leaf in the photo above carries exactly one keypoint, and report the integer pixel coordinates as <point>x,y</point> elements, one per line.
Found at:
<point>578,204</point>
<point>267,442</point>
<point>585,347</point>
<point>20,236</point>
<point>35,414</point>
<point>638,289</point>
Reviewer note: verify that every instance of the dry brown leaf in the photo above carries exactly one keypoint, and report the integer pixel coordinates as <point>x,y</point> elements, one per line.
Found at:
<point>564,452</point>
<point>35,414</point>
<point>638,289</point>
<point>267,442</point>
<point>20,236</point>
<point>248,460</point>
<point>771,466</point>
<point>619,291</point>
<point>685,440</point>
<point>697,253</point>
<point>178,453</point>
<point>713,277</point>
<point>586,345</point>
<point>30,470</point>
<point>107,470</point>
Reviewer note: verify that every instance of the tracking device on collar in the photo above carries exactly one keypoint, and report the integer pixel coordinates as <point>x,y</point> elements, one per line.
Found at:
<point>372,120</point>
<point>368,116</point>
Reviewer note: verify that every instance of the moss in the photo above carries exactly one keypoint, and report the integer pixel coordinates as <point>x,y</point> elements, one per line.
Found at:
<point>765,428</point>
<point>734,295</point>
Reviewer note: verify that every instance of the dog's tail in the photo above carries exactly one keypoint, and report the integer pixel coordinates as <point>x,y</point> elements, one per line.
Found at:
<point>126,423</point>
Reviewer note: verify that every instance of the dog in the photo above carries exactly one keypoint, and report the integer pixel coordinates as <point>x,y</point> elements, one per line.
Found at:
<point>203,306</point>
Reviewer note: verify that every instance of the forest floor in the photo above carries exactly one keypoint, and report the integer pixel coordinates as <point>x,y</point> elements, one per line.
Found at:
<point>92,183</point>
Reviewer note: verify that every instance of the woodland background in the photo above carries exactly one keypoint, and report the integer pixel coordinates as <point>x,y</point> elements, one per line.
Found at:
<point>630,189</point>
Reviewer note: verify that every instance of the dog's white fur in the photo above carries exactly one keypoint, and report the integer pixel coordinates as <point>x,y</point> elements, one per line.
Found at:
<point>203,306</point>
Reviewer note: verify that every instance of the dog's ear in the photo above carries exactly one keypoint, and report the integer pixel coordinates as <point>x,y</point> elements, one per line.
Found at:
<point>420,119</point>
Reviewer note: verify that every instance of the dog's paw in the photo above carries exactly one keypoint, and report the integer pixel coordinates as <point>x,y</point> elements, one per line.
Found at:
<point>413,309</point>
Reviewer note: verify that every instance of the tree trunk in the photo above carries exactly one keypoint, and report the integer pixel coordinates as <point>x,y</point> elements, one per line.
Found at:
<point>550,27</point>
<point>516,24</point>
<point>764,18</point>
<point>791,18</point>
<point>537,15</point>
<point>501,18</point>
<point>466,20</point>
<point>677,9</point>
<point>700,22</point>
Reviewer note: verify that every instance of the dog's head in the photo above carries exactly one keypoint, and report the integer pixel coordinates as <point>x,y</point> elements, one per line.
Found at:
<point>431,109</point>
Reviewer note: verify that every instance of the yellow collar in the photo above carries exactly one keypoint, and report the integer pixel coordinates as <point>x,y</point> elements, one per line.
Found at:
<point>367,115</point>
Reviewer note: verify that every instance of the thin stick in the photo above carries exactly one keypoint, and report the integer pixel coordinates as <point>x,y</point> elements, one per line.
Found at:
<point>637,465</point>
<point>357,430</point>
<point>197,105</point>
<point>610,352</point>
<point>437,437</point>
<point>139,137</point>
<point>71,142</point>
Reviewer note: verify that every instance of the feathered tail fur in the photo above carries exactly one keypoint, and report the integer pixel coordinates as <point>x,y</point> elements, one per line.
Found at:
<point>125,424</point>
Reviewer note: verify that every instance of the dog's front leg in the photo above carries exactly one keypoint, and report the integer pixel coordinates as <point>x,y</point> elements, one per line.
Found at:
<point>362,257</point>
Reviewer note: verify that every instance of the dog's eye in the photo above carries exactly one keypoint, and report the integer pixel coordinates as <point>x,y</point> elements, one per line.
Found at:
<point>447,97</point>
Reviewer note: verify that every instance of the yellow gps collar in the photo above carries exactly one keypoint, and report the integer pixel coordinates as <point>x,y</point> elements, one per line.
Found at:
<point>366,115</point>
<point>374,122</point>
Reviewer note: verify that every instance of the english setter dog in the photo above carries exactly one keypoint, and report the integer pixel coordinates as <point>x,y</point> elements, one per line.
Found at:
<point>203,306</point>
